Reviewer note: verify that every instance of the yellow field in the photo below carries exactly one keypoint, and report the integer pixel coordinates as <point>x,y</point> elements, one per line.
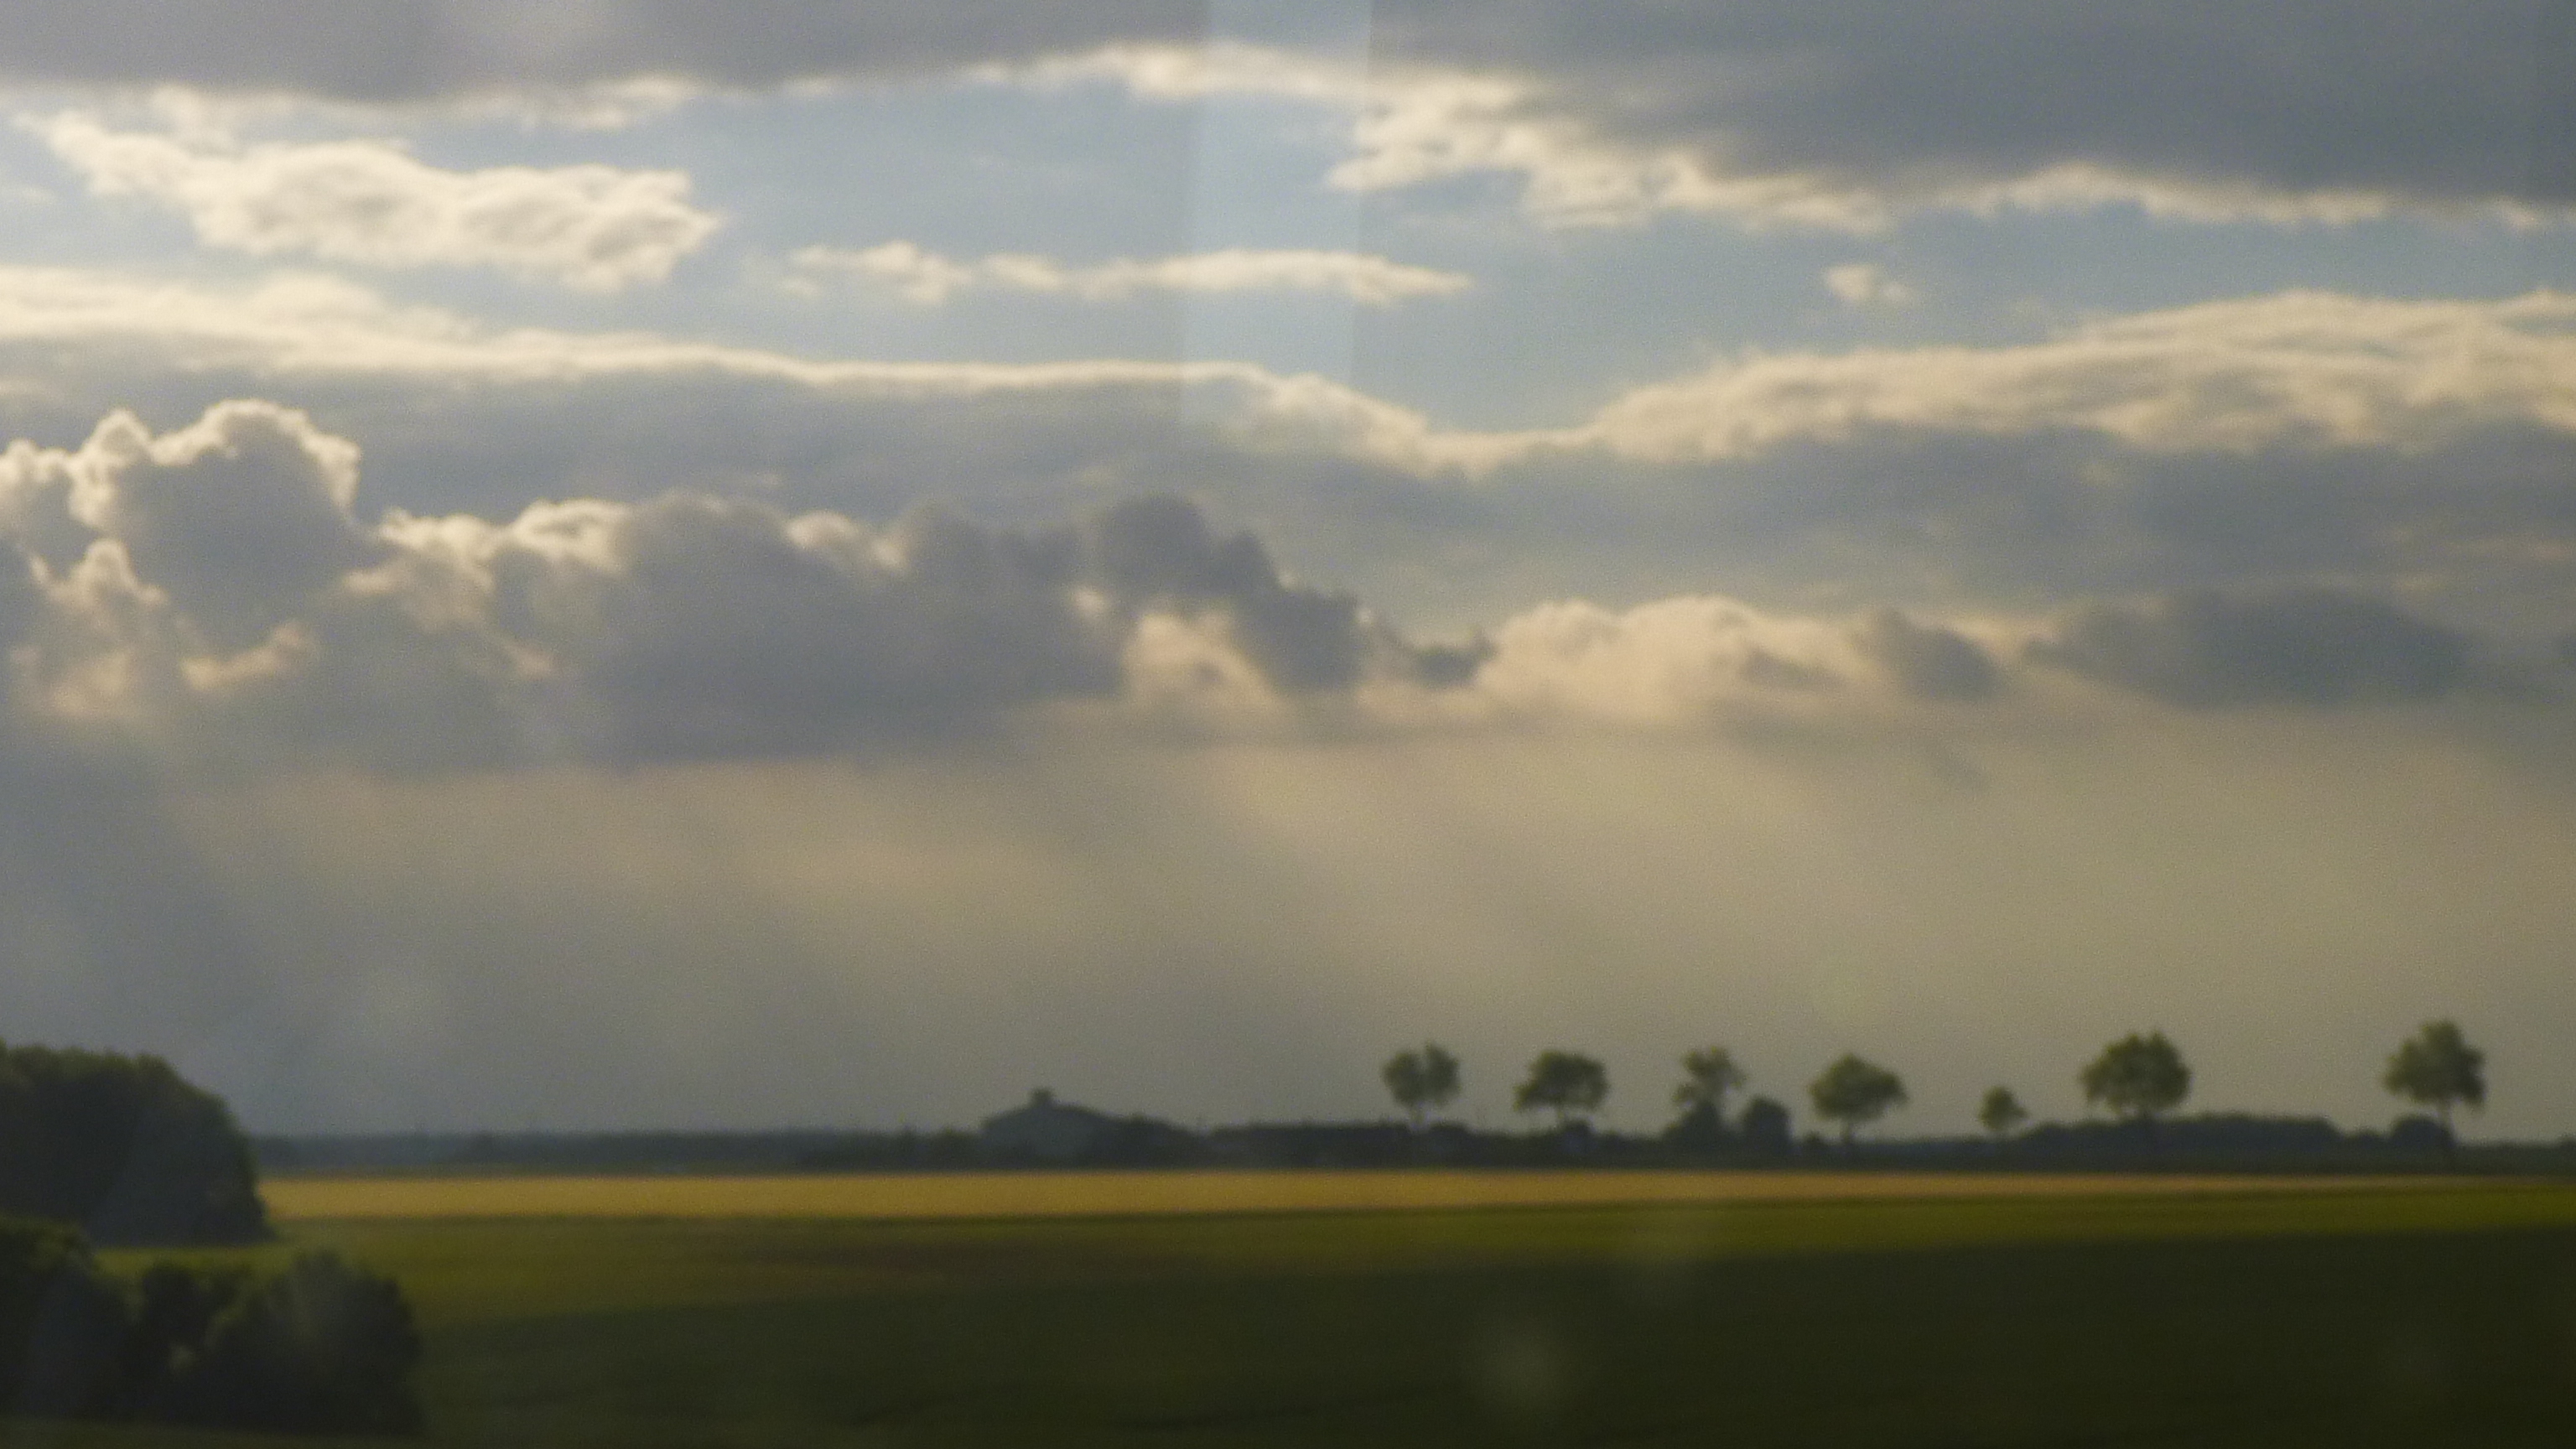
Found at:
<point>905,1196</point>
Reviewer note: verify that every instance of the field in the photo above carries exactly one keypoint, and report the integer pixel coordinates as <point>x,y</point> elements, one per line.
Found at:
<point>1418,1309</point>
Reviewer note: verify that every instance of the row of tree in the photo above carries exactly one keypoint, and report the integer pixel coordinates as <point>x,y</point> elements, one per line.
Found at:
<point>2138,1078</point>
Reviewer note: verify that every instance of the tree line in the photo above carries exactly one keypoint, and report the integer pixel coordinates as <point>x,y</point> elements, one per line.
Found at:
<point>2138,1079</point>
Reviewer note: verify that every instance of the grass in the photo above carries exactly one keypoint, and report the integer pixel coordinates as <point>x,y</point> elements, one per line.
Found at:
<point>2426,1313</point>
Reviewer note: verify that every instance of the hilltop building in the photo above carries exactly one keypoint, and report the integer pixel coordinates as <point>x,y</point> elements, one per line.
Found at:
<point>1045,1130</point>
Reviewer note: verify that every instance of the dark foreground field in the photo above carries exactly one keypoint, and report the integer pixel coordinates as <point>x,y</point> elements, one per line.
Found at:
<point>2380,1315</point>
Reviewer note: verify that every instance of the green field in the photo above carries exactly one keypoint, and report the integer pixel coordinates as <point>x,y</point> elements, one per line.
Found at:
<point>2415,1314</point>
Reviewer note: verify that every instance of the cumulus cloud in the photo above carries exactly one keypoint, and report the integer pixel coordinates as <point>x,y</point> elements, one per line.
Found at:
<point>593,228</point>
<point>2309,646</point>
<point>210,591</point>
<point>928,278</point>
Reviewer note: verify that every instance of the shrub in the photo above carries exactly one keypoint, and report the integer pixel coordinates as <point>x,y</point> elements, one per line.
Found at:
<point>322,1347</point>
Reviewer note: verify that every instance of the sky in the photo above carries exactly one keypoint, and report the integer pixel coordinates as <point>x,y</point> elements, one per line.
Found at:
<point>634,563</point>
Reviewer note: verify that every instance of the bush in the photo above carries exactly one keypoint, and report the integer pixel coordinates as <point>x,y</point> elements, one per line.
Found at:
<point>63,1324</point>
<point>320,1347</point>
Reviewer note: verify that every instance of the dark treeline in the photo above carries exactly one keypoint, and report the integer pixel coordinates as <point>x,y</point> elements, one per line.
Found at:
<point>314,1347</point>
<point>782,1150</point>
<point>2229,1141</point>
<point>123,1147</point>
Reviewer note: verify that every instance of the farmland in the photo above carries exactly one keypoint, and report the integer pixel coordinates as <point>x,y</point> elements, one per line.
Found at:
<point>1262,1309</point>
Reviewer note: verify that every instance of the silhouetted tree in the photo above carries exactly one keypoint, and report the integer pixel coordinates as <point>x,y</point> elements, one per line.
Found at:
<point>2001,1112</point>
<point>2139,1078</point>
<point>1708,1075</point>
<point>2438,1068</point>
<point>1853,1092</point>
<point>320,1348</point>
<point>123,1147</point>
<point>1421,1079</point>
<point>63,1324</point>
<point>1566,1083</point>
<point>1765,1125</point>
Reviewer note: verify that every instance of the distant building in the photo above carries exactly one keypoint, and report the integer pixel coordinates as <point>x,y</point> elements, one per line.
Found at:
<point>1045,1130</point>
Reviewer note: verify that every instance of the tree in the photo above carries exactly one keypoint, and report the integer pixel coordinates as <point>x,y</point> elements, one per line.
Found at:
<point>1421,1080</point>
<point>2001,1112</point>
<point>124,1147</point>
<point>1765,1125</point>
<point>2438,1068</point>
<point>1853,1092</point>
<point>1566,1083</point>
<point>2140,1078</point>
<point>1708,1075</point>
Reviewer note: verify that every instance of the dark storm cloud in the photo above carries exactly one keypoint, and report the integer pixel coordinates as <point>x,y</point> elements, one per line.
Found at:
<point>408,50</point>
<point>2460,102</point>
<point>2315,646</point>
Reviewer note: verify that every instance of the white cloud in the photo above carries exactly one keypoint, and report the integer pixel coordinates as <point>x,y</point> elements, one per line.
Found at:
<point>594,228</point>
<point>2300,370</point>
<point>2297,369</point>
<point>305,326</point>
<point>928,278</point>
<point>1866,284</point>
<point>1414,127</point>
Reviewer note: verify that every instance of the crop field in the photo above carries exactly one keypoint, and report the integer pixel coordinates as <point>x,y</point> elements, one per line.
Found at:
<point>1268,1309</point>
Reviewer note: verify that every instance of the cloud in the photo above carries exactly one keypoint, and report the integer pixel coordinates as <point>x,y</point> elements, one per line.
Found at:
<point>1928,661</point>
<point>930,279</point>
<point>210,597</point>
<point>2298,437</point>
<point>307,327</point>
<point>2245,109</point>
<point>397,51</point>
<point>1837,113</point>
<point>592,228</point>
<point>1866,284</point>
<point>210,593</point>
<point>2296,369</point>
<point>2314,646</point>
<point>1845,115</point>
